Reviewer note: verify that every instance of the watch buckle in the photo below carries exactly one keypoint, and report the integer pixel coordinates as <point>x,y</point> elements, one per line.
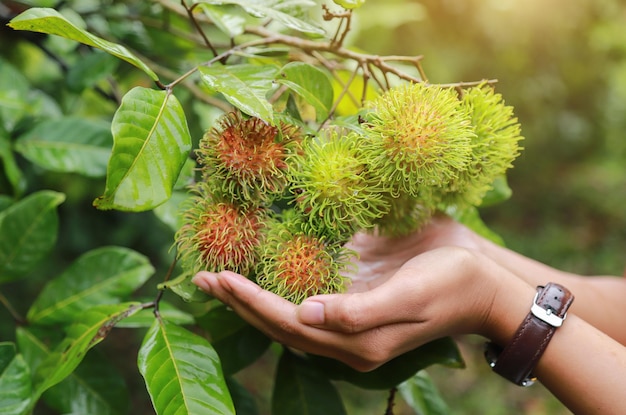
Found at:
<point>546,315</point>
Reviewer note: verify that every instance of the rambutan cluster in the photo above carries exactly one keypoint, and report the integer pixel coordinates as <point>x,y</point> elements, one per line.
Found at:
<point>433,149</point>
<point>278,206</point>
<point>232,220</point>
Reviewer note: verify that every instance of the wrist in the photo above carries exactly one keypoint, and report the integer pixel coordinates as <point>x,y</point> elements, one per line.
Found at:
<point>516,361</point>
<point>509,306</point>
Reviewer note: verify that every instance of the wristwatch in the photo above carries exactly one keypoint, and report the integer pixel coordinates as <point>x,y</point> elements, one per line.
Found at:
<point>518,359</point>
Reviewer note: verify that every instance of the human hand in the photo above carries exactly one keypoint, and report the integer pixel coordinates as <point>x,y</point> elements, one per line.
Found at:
<point>381,257</point>
<point>441,292</point>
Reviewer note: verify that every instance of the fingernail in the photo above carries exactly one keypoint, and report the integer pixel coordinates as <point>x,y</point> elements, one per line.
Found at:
<point>203,280</point>
<point>311,312</point>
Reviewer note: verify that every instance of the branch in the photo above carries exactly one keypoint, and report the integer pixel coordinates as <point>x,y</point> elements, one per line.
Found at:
<point>390,401</point>
<point>189,10</point>
<point>363,59</point>
<point>373,67</point>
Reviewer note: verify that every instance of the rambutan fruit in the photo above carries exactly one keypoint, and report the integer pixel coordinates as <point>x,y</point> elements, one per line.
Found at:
<point>334,187</point>
<point>296,264</point>
<point>217,234</point>
<point>418,136</point>
<point>494,148</point>
<point>248,157</point>
<point>406,214</point>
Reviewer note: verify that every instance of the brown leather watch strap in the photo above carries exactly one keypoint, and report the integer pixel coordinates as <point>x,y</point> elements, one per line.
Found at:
<point>518,359</point>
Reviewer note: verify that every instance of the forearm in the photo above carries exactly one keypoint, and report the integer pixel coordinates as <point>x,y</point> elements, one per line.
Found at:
<point>585,369</point>
<point>600,300</point>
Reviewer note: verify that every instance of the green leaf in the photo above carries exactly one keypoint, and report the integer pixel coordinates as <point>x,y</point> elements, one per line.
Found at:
<point>5,202</point>
<point>14,89</point>
<point>185,289</point>
<point>225,18</point>
<point>300,388</point>
<point>499,193</point>
<point>237,343</point>
<point>90,69</point>
<point>15,382</point>
<point>68,145</point>
<point>243,400</point>
<point>421,394</point>
<point>182,372</point>
<point>349,4</point>
<point>102,276</point>
<point>94,388</point>
<point>170,212</point>
<point>11,169</point>
<point>244,86</point>
<point>151,145</point>
<point>470,217</point>
<point>89,329</point>
<point>36,343</point>
<point>277,10</point>
<point>442,351</point>
<point>29,231</point>
<point>310,83</point>
<point>45,20</point>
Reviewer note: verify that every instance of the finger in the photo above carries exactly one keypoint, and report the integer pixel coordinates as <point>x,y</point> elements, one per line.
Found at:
<point>268,312</point>
<point>420,291</point>
<point>255,305</point>
<point>276,317</point>
<point>386,304</point>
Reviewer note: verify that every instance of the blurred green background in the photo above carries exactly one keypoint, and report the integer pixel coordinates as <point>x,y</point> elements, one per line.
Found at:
<point>561,64</point>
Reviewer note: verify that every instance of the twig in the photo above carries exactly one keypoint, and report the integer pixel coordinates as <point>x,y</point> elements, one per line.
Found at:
<point>311,46</point>
<point>341,32</point>
<point>159,296</point>
<point>189,10</point>
<point>390,401</point>
<point>372,66</point>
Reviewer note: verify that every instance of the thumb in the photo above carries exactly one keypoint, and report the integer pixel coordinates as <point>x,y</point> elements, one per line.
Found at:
<point>356,312</point>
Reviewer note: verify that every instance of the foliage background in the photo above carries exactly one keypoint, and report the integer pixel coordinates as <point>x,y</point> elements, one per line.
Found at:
<point>561,64</point>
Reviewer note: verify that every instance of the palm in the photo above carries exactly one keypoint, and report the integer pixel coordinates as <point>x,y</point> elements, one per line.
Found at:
<point>379,258</point>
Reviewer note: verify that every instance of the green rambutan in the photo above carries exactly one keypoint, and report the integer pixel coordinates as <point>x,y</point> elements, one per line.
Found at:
<point>407,214</point>
<point>494,148</point>
<point>217,234</point>
<point>296,264</point>
<point>247,157</point>
<point>418,136</point>
<point>333,185</point>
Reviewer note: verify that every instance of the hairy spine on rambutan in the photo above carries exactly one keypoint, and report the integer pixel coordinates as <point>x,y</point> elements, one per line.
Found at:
<point>296,263</point>
<point>418,136</point>
<point>406,214</point>
<point>217,234</point>
<point>334,187</point>
<point>494,148</point>
<point>247,157</point>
